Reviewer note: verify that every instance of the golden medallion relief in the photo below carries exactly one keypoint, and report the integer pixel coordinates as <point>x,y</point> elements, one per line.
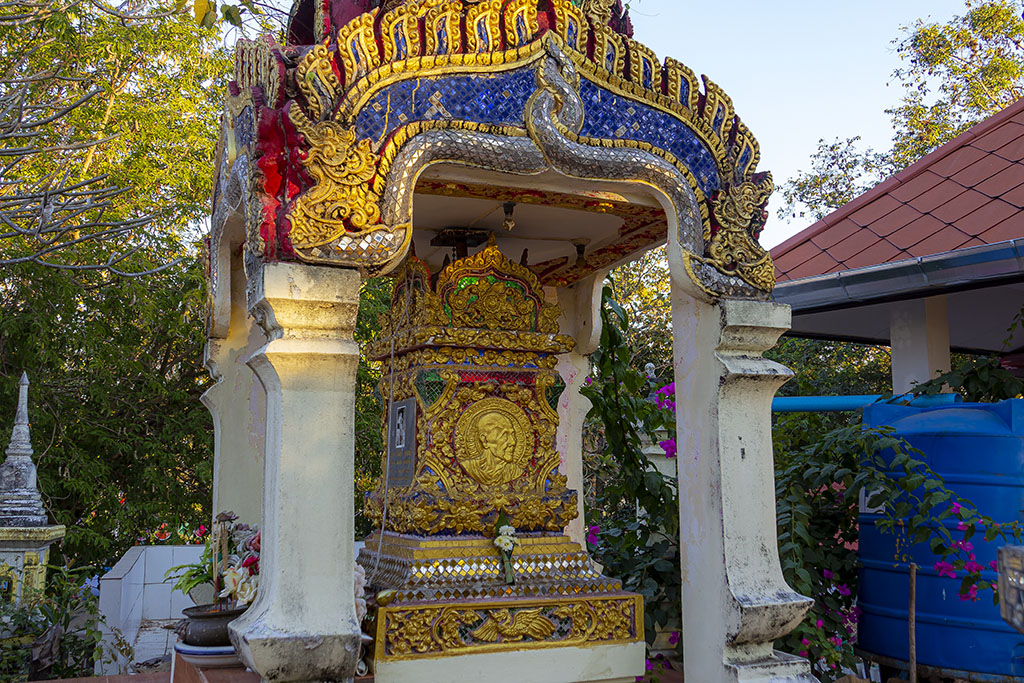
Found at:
<point>494,441</point>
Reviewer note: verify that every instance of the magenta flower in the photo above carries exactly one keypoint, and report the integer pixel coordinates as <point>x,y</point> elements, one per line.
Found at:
<point>945,569</point>
<point>966,546</point>
<point>995,565</point>
<point>828,575</point>
<point>669,445</point>
<point>588,381</point>
<point>674,638</point>
<point>836,640</point>
<point>844,590</point>
<point>820,624</point>
<point>973,567</point>
<point>592,533</point>
<point>962,526</point>
<point>972,594</point>
<point>803,653</point>
<point>956,508</point>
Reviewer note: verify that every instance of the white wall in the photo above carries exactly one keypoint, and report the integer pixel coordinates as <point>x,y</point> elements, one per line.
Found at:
<point>134,590</point>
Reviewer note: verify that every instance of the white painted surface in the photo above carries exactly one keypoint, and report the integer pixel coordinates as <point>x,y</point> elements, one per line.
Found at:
<point>736,602</point>
<point>237,402</point>
<point>599,664</point>
<point>919,332</point>
<point>134,590</point>
<point>581,320</point>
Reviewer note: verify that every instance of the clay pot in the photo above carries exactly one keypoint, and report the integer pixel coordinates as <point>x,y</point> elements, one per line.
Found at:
<point>207,625</point>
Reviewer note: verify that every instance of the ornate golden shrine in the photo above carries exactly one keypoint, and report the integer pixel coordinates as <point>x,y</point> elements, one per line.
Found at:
<point>474,357</point>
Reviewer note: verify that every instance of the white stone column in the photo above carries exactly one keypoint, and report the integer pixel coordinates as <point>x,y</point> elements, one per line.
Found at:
<point>237,404</point>
<point>303,624</point>
<point>919,335</point>
<point>581,319</point>
<point>736,602</point>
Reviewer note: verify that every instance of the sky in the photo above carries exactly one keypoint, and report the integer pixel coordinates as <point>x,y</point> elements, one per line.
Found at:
<point>797,71</point>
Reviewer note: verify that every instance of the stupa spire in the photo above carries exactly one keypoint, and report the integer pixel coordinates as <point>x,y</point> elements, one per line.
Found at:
<point>20,502</point>
<point>21,437</point>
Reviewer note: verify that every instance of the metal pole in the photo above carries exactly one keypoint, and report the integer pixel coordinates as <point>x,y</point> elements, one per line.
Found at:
<point>913,623</point>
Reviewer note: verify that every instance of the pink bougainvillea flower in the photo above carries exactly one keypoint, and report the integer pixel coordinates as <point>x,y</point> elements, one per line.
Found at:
<point>971,594</point>
<point>995,565</point>
<point>844,590</point>
<point>803,653</point>
<point>828,575</point>
<point>962,526</point>
<point>669,445</point>
<point>945,569</point>
<point>674,638</point>
<point>957,507</point>
<point>820,624</point>
<point>589,381</point>
<point>966,546</point>
<point>836,640</point>
<point>650,665</point>
<point>973,567</point>
<point>592,533</point>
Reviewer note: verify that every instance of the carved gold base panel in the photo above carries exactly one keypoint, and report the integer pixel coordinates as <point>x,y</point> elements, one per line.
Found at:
<point>425,630</point>
<point>459,568</point>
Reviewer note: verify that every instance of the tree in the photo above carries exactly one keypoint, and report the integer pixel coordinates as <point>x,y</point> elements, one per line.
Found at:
<point>957,74</point>
<point>122,441</point>
<point>76,98</point>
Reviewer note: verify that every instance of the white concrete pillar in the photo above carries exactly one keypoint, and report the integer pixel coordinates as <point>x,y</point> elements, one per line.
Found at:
<point>581,319</point>
<point>736,602</point>
<point>237,403</point>
<point>919,335</point>
<point>303,624</point>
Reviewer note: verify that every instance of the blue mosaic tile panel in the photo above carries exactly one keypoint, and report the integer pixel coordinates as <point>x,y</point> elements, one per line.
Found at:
<point>498,99</point>
<point>608,115</point>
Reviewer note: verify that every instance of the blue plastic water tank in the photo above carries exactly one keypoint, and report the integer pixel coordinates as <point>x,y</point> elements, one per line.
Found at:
<point>979,450</point>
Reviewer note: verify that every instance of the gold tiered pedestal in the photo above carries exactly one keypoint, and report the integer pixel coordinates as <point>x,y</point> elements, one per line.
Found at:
<point>472,393</point>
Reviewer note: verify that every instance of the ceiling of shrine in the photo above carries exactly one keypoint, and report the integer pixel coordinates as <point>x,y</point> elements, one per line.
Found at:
<point>552,224</point>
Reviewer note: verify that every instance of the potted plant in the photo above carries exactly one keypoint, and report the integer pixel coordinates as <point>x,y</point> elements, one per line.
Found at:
<point>230,567</point>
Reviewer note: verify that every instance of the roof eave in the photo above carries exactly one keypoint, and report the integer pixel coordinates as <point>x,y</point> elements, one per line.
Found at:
<point>960,269</point>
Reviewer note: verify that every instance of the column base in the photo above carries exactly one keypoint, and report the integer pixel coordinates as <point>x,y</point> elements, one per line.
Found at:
<point>599,664</point>
<point>285,657</point>
<point>779,668</point>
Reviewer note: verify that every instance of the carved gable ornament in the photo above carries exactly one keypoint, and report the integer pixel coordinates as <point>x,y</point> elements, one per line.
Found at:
<point>334,135</point>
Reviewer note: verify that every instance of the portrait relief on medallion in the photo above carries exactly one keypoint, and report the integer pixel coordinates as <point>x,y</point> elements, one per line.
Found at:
<point>494,441</point>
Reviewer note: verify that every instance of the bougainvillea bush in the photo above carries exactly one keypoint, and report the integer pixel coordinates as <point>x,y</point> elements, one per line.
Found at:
<point>824,463</point>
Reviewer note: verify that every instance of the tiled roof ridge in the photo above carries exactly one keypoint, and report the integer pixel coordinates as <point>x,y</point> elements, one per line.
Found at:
<point>904,176</point>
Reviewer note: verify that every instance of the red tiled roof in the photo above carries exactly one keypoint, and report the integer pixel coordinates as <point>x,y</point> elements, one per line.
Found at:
<point>967,193</point>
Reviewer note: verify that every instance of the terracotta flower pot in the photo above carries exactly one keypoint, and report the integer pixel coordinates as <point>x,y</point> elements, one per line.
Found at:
<point>207,625</point>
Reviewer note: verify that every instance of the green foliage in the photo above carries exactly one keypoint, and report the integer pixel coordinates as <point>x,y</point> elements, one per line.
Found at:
<point>640,548</point>
<point>188,576</point>
<point>642,289</point>
<point>57,635</point>
<point>123,444</point>
<point>839,173</point>
<point>375,299</point>
<point>957,74</point>
<point>978,380</point>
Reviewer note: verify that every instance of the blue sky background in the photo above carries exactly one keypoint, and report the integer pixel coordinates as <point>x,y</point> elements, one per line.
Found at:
<point>797,71</point>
